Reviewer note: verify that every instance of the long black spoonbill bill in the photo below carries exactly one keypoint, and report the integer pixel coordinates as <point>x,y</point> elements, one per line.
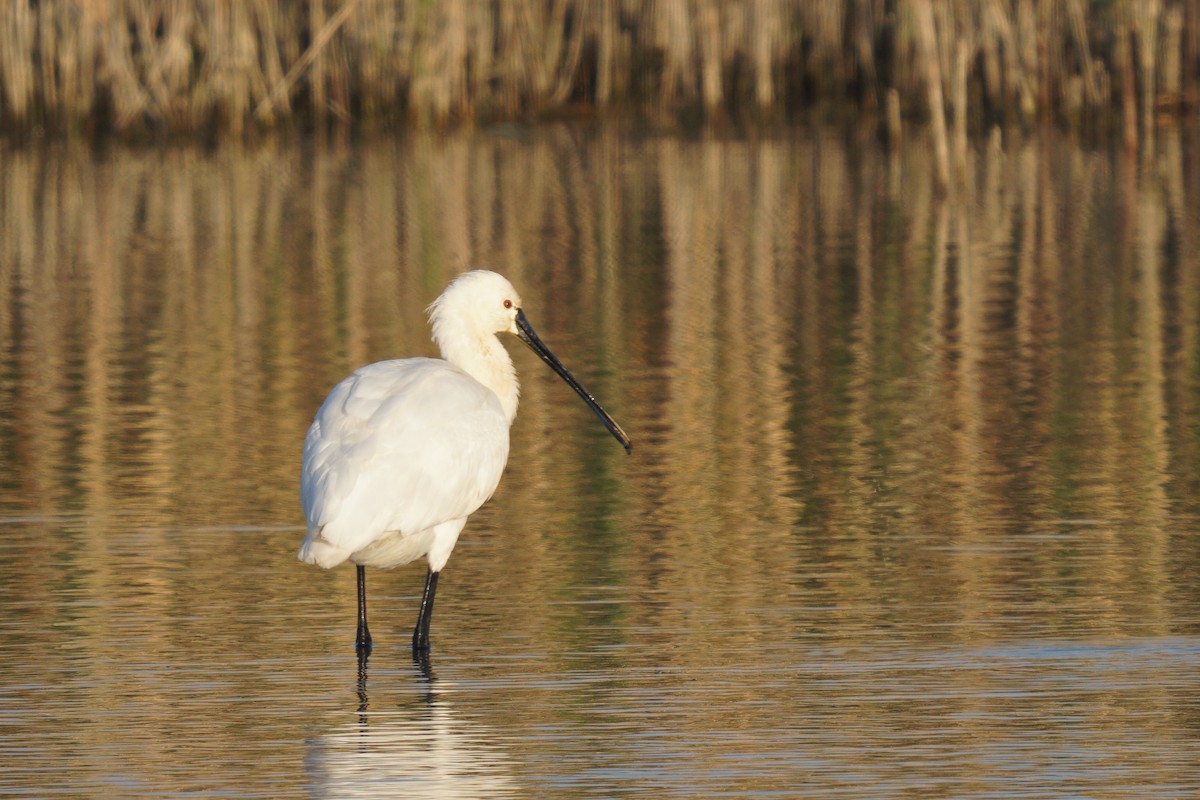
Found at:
<point>403,451</point>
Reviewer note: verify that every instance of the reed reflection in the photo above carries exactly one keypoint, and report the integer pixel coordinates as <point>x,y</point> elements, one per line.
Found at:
<point>822,339</point>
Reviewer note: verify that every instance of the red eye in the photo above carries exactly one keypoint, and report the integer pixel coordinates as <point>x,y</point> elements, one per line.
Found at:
<point>508,303</point>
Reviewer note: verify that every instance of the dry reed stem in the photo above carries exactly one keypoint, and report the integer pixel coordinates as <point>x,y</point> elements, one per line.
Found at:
<point>311,56</point>
<point>927,43</point>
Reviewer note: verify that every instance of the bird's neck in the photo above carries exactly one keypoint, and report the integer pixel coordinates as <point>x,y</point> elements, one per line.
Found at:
<point>486,360</point>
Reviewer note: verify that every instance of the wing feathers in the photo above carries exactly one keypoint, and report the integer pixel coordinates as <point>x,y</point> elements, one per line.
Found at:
<point>400,446</point>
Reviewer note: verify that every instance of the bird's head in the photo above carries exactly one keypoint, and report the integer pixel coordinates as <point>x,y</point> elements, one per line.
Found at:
<point>481,301</point>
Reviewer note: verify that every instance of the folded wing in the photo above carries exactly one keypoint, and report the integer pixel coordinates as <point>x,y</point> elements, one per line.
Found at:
<point>399,446</point>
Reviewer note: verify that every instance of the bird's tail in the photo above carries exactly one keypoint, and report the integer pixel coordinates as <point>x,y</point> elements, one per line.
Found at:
<point>315,550</point>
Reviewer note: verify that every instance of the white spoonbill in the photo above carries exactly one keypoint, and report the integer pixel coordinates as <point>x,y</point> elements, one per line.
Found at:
<point>401,452</point>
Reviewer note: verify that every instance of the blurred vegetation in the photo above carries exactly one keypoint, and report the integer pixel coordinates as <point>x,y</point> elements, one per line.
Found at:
<point>137,67</point>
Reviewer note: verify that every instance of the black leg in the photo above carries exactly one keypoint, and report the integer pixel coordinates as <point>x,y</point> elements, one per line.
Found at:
<point>362,642</point>
<point>421,632</point>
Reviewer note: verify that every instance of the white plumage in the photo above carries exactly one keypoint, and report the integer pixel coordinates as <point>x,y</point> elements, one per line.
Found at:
<point>398,448</point>
<point>402,452</point>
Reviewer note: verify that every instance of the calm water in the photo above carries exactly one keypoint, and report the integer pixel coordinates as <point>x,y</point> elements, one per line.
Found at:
<point>912,510</point>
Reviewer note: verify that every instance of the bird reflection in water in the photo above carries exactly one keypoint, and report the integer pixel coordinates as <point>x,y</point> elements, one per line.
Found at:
<point>418,746</point>
<point>421,663</point>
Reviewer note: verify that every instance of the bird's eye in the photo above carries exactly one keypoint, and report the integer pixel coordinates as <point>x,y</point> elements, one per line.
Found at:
<point>508,303</point>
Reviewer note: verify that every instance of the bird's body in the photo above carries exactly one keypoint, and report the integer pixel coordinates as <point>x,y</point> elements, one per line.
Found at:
<point>398,457</point>
<point>402,452</point>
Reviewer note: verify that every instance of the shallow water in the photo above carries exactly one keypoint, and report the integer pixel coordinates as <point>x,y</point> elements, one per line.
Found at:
<point>911,512</point>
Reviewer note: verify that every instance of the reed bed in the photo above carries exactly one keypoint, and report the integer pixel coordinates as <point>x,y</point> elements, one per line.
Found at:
<point>154,66</point>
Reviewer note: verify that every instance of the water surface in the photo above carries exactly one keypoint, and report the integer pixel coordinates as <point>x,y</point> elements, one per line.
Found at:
<point>911,511</point>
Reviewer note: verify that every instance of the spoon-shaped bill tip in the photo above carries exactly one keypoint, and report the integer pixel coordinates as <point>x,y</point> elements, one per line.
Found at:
<point>527,335</point>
